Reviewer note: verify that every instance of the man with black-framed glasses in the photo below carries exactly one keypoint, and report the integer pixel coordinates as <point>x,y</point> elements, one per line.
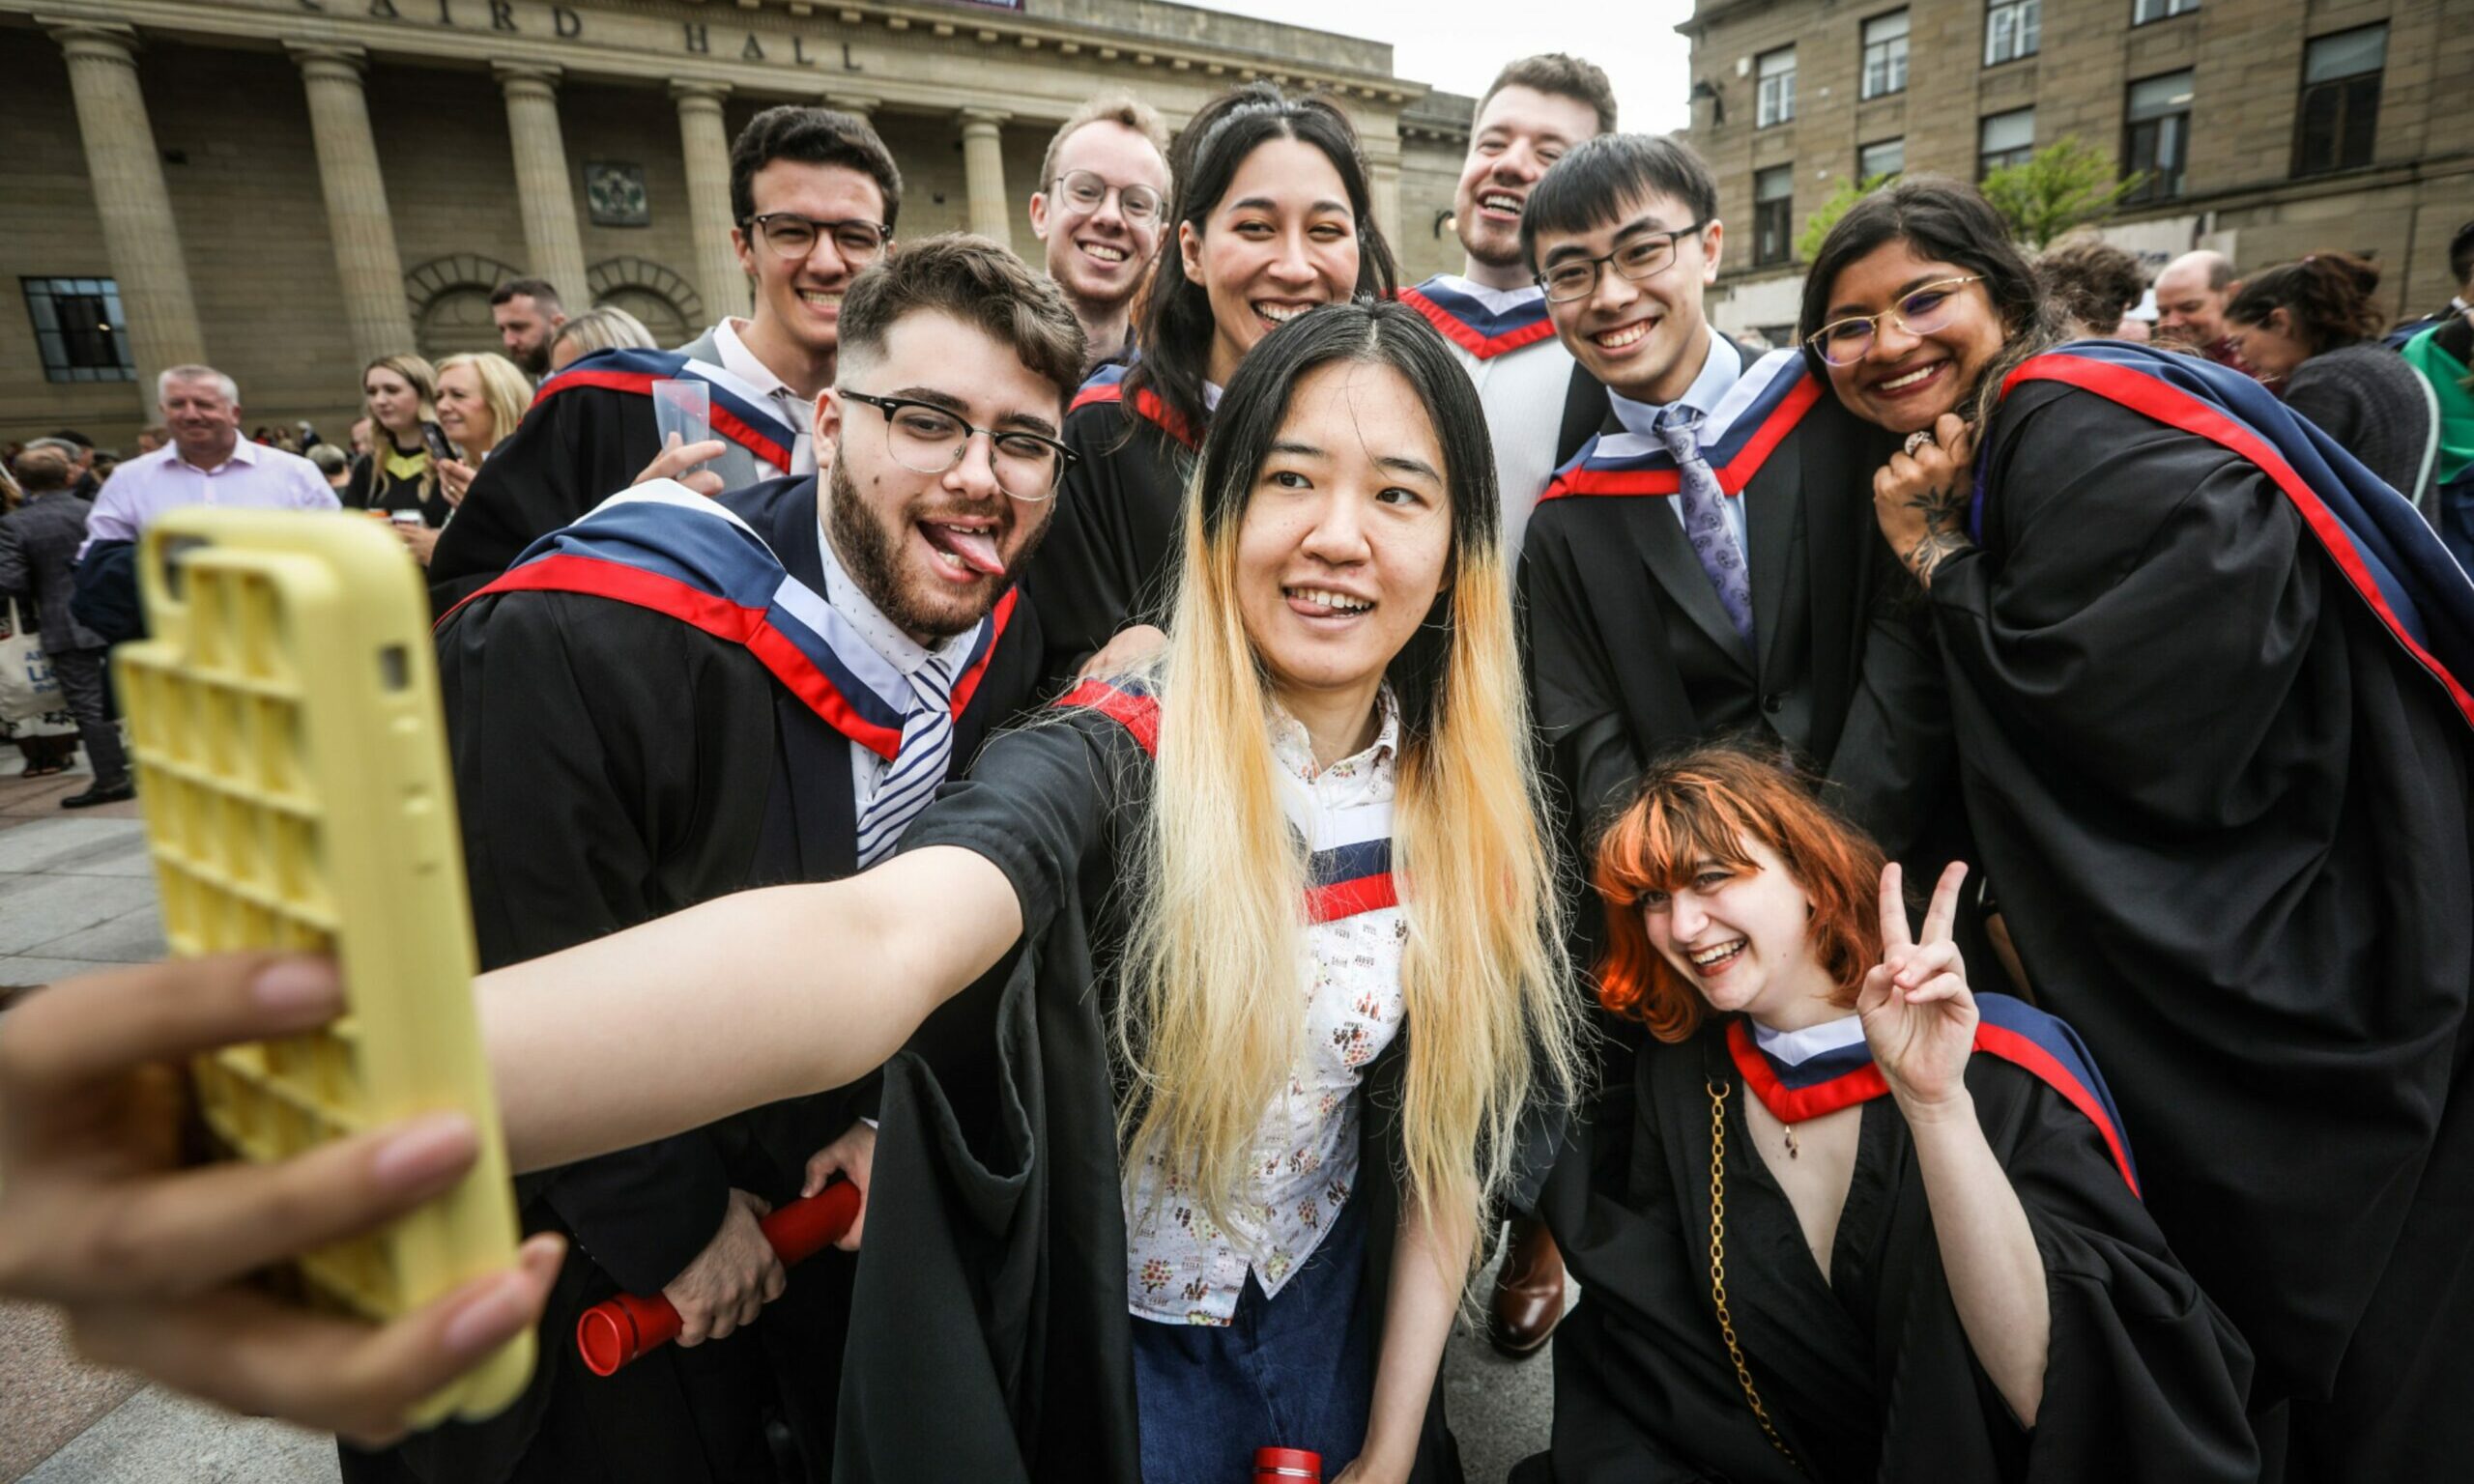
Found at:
<point>1101,209</point>
<point>814,198</point>
<point>681,694</point>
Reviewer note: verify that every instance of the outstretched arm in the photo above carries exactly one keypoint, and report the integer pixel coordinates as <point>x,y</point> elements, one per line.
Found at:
<point>738,1002</point>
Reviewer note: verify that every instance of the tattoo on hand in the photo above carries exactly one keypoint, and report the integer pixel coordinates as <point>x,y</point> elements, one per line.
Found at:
<point>1940,506</point>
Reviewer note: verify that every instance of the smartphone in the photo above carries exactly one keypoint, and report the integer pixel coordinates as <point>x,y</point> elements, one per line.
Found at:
<point>291,756</point>
<point>434,439</point>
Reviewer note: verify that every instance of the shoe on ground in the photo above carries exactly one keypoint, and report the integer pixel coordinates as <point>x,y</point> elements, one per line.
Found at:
<point>1528,1301</point>
<point>102,793</point>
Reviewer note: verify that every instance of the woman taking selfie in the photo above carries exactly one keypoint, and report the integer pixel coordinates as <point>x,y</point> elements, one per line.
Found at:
<point>1251,1096</point>
<point>399,472</point>
<point>2206,691</point>
<point>1273,216</point>
<point>1845,1217</point>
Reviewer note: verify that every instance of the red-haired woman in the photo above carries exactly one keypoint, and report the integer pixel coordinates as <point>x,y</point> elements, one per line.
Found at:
<point>1819,1236</point>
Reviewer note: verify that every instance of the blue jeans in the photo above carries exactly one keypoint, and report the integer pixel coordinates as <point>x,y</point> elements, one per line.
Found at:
<point>1293,1372</point>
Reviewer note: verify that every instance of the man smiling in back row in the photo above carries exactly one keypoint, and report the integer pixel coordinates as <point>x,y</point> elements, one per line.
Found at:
<point>1102,203</point>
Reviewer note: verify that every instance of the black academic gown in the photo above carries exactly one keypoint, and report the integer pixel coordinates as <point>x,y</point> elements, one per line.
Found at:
<point>1112,549</point>
<point>615,765</point>
<point>989,1337</point>
<point>1868,1375</point>
<point>2228,822</point>
<point>571,452</point>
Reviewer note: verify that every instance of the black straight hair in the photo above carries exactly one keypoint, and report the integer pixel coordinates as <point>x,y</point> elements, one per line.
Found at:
<point>1255,403</point>
<point>1176,330</point>
<point>1585,189</point>
<point>1951,222</point>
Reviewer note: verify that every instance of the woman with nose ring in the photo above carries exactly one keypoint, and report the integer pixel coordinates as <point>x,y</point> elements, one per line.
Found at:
<point>1272,215</point>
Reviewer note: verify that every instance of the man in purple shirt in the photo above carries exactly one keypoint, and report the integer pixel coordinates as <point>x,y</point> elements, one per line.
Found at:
<point>207,463</point>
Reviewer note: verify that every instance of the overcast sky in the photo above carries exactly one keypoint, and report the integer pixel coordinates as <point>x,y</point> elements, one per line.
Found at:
<point>1446,42</point>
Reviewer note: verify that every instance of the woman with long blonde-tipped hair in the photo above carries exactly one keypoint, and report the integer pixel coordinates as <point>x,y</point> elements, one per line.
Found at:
<point>1278,1003</point>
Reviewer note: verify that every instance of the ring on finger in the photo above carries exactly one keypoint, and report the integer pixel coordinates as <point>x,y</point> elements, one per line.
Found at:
<point>1919,439</point>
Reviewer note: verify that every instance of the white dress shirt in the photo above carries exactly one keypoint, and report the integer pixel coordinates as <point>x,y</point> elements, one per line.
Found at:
<point>796,410</point>
<point>899,649</point>
<point>1719,370</point>
<point>1524,393</point>
<point>252,476</point>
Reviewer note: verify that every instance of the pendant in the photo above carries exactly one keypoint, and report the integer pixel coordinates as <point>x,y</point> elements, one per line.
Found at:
<point>1792,1153</point>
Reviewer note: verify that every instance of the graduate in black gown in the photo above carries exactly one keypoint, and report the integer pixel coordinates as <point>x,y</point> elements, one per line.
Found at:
<point>2208,700</point>
<point>1845,1218</point>
<point>679,697</point>
<point>1272,215</point>
<point>1288,894</point>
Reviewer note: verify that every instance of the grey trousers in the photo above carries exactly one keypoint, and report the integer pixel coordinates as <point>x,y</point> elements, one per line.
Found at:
<point>81,673</point>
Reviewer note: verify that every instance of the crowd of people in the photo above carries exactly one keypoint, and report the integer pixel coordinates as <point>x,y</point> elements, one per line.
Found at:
<point>1205,781</point>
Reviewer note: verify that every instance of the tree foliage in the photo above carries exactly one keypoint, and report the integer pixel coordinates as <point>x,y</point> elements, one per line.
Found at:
<point>1825,217</point>
<point>2067,184</point>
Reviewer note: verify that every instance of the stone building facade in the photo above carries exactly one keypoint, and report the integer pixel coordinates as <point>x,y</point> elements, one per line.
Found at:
<point>287,189</point>
<point>2267,128</point>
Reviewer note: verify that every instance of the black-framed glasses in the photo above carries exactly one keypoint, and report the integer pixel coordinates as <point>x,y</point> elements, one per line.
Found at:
<point>1082,192</point>
<point>1919,312</point>
<point>929,440</point>
<point>792,236</point>
<point>1645,256</point>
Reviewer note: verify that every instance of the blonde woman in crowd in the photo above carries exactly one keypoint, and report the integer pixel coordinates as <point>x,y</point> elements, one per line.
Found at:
<point>399,472</point>
<point>608,328</point>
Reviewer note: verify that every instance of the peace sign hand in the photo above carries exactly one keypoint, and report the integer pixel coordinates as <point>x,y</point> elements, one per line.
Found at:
<point>1919,1016</point>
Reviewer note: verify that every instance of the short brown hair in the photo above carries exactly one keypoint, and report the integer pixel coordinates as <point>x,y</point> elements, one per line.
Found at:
<point>2093,281</point>
<point>1107,108</point>
<point>41,471</point>
<point>978,282</point>
<point>809,136</point>
<point>1564,76</point>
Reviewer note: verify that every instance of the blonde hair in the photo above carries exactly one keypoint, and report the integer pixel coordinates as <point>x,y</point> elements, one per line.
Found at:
<point>1110,107</point>
<point>604,328</point>
<point>1210,1019</point>
<point>505,389</point>
<point>417,374</point>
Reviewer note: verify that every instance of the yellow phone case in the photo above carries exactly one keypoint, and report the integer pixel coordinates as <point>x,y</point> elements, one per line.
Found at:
<point>291,755</point>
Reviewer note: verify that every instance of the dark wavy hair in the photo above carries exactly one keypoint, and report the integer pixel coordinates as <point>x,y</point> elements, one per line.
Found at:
<point>1950,221</point>
<point>810,136</point>
<point>1176,334</point>
<point>2327,299</point>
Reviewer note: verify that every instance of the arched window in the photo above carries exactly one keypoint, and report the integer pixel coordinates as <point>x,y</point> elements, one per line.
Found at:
<point>451,303</point>
<point>663,300</point>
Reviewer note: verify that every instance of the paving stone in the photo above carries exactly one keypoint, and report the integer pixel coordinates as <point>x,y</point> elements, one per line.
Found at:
<point>132,937</point>
<point>38,910</point>
<point>22,971</point>
<point>77,846</point>
<point>48,1395</point>
<point>157,1437</point>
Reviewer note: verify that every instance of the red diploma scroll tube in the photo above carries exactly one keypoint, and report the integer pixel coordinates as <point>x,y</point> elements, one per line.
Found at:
<point>615,1333</point>
<point>1287,1466</point>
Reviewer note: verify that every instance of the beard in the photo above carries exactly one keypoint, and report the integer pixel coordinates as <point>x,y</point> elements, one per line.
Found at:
<point>871,548</point>
<point>536,357</point>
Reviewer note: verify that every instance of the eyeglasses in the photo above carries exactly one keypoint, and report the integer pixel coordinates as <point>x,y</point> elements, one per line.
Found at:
<point>1643,257</point>
<point>928,439</point>
<point>1083,192</point>
<point>792,236</point>
<point>1845,342</point>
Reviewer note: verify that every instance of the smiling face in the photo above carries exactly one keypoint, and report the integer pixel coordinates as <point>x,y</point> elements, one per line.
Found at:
<point>802,295</point>
<point>1645,338</point>
<point>1909,378</point>
<point>1519,134</point>
<point>204,423</point>
<point>1098,257</point>
<point>1279,242</point>
<point>2188,312</point>
<point>462,410</point>
<point>393,404</point>
<point>932,551</point>
<point>1346,539</point>
<point>1741,937</point>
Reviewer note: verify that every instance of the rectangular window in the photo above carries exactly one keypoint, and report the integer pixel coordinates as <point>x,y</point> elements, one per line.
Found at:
<point>1887,158</point>
<point>2145,11</point>
<point>2012,28</point>
<point>1777,98</point>
<point>78,330</point>
<point>2157,136</point>
<point>1774,216</point>
<point>2338,115</point>
<point>2004,139</point>
<point>1885,54</point>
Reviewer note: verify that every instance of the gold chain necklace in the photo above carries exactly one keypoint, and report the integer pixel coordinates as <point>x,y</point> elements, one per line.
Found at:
<point>1718,1269</point>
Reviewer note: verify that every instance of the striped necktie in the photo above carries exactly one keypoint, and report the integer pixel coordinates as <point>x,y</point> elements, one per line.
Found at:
<point>918,766</point>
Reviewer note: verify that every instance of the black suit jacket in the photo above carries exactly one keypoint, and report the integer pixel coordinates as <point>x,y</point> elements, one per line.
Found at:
<point>37,550</point>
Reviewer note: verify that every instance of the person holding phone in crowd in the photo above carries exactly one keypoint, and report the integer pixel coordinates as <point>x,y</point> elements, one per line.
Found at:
<point>398,478</point>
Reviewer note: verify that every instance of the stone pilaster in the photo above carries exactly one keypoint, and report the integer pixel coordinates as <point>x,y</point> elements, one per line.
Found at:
<point>358,221</point>
<point>544,191</point>
<point>983,173</point>
<point>862,108</point>
<point>707,152</point>
<point>140,239</point>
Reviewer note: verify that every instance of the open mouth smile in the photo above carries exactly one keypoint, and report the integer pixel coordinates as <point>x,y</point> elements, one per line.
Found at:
<point>1325,603</point>
<point>1709,962</point>
<point>966,549</point>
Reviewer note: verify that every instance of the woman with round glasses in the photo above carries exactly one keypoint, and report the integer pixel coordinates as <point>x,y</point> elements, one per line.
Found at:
<point>2207,686</point>
<point>1272,215</point>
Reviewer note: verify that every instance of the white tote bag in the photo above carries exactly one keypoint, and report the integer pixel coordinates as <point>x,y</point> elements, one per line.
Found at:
<point>29,692</point>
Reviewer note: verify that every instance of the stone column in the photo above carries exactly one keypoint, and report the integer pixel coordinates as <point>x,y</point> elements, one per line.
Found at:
<point>707,150</point>
<point>140,239</point>
<point>983,173</point>
<point>1383,183</point>
<point>357,216</point>
<point>543,189</point>
<point>864,109</point>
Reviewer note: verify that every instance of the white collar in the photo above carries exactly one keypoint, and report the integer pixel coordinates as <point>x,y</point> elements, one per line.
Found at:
<point>1211,396</point>
<point>740,361</point>
<point>1719,370</point>
<point>885,636</point>
<point>244,451</point>
<point>1496,301</point>
<point>1797,1048</point>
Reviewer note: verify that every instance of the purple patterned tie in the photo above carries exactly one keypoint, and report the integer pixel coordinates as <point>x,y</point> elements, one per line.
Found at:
<point>1705,520</point>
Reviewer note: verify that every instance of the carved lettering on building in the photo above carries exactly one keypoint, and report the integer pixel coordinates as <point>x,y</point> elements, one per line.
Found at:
<point>567,24</point>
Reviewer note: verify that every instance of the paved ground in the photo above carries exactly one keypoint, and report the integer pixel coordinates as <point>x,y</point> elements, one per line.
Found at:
<point>76,893</point>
